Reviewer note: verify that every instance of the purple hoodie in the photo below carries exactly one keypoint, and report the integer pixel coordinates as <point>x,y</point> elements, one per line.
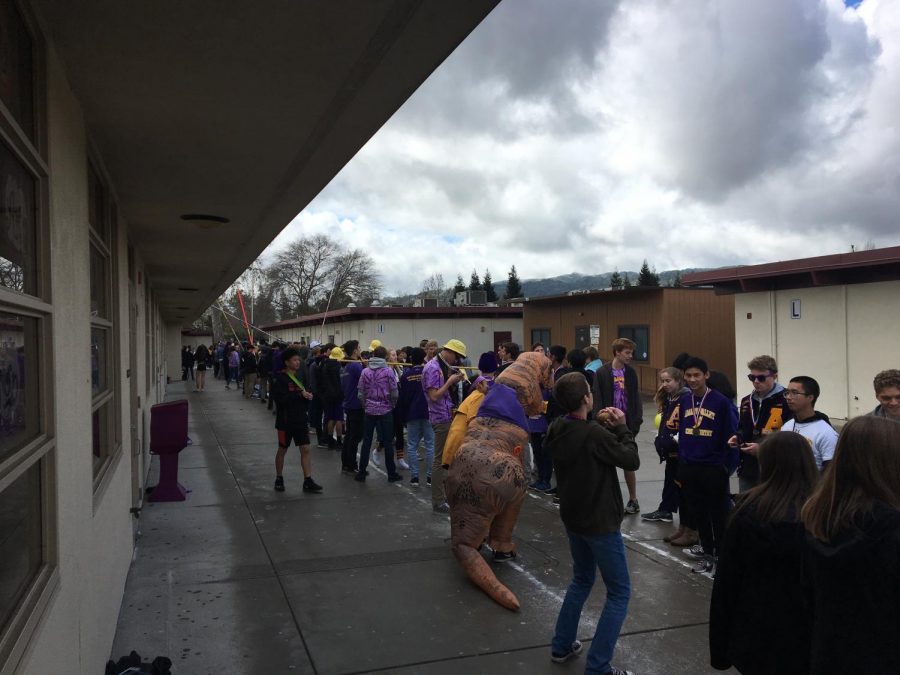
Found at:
<point>378,388</point>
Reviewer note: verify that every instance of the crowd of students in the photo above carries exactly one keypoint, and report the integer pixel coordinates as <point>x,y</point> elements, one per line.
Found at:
<point>805,557</point>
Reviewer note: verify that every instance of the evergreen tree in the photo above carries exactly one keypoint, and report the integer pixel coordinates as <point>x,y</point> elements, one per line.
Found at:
<point>647,277</point>
<point>615,281</point>
<point>475,282</point>
<point>626,280</point>
<point>676,281</point>
<point>460,287</point>
<point>513,286</point>
<point>488,285</point>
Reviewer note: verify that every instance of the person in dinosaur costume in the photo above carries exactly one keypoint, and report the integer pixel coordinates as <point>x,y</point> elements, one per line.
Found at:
<point>486,483</point>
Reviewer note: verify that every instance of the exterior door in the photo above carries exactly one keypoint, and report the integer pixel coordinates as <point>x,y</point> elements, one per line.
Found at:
<point>500,337</point>
<point>582,337</point>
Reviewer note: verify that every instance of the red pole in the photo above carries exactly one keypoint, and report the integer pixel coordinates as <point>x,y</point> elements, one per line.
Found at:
<point>244,313</point>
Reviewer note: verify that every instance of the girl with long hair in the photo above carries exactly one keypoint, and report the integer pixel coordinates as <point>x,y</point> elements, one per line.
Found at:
<point>853,552</point>
<point>759,622</point>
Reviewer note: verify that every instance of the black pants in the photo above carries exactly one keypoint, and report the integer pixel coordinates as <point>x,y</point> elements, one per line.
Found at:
<point>543,462</point>
<point>706,495</point>
<point>671,494</point>
<point>353,434</point>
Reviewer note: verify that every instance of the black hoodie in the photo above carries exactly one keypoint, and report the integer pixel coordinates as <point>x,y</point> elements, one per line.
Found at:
<point>759,619</point>
<point>855,597</point>
<point>585,456</point>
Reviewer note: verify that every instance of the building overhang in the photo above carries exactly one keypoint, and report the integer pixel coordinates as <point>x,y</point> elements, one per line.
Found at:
<point>239,110</point>
<point>881,264</point>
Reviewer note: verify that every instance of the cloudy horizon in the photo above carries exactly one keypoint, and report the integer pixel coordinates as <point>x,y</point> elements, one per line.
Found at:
<point>692,134</point>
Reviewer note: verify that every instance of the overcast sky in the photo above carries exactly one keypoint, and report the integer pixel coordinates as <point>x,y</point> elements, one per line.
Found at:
<point>587,135</point>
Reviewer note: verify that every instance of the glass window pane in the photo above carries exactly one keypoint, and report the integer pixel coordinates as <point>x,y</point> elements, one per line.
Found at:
<point>99,360</point>
<point>20,539</point>
<point>100,434</point>
<point>16,69</point>
<point>18,192</point>
<point>97,205</point>
<point>99,291</point>
<point>19,403</point>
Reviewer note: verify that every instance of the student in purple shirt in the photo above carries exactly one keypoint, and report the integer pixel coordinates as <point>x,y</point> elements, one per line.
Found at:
<point>412,410</point>
<point>438,377</point>
<point>616,386</point>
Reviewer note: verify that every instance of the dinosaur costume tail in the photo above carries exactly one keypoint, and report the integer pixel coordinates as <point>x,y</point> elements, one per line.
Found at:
<point>482,576</point>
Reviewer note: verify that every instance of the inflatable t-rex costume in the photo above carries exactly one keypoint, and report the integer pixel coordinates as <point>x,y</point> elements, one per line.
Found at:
<point>486,483</point>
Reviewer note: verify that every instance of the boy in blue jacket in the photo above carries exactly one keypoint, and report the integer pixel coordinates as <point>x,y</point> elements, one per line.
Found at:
<point>707,420</point>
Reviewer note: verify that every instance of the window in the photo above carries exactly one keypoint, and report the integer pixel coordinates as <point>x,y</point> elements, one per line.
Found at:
<point>641,337</point>
<point>28,575</point>
<point>103,401</point>
<point>582,337</point>
<point>17,86</point>
<point>541,335</point>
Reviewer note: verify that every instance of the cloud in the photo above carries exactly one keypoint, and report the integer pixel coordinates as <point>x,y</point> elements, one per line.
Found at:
<point>690,134</point>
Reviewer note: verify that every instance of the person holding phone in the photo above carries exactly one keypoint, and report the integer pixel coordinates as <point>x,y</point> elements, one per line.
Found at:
<point>762,412</point>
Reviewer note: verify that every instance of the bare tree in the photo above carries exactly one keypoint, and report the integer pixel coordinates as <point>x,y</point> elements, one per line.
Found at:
<point>351,276</point>
<point>301,269</point>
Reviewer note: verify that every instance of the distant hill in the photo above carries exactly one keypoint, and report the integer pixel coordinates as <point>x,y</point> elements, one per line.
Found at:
<point>536,288</point>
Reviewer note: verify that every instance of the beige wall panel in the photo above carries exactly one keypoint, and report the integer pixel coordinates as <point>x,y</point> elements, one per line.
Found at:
<point>753,336</point>
<point>816,343</point>
<point>476,333</point>
<point>873,327</point>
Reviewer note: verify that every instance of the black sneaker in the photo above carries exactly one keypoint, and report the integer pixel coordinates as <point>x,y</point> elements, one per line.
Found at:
<point>427,480</point>
<point>571,654</point>
<point>349,469</point>
<point>695,551</point>
<point>441,508</point>
<point>632,507</point>
<point>619,671</point>
<point>706,567</point>
<point>309,485</point>
<point>396,477</point>
<point>658,516</point>
<point>360,477</point>
<point>414,481</point>
<point>505,556</point>
<point>279,484</point>
<point>323,443</point>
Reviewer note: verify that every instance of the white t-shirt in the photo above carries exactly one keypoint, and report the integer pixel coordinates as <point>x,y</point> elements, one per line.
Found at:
<point>821,436</point>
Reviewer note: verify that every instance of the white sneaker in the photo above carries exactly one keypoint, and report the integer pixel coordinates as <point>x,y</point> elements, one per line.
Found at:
<point>402,464</point>
<point>376,459</point>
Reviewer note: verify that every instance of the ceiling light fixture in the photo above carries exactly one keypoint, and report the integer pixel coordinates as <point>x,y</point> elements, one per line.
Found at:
<point>205,220</point>
<point>188,289</point>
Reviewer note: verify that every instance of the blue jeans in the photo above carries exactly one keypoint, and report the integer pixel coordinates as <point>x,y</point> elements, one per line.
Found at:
<point>233,372</point>
<point>606,551</point>
<point>419,430</point>
<point>385,425</point>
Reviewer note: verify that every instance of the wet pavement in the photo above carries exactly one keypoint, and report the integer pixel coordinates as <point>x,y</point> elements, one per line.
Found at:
<point>360,578</point>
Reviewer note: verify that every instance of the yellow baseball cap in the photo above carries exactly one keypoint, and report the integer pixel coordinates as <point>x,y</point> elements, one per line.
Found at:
<point>374,344</point>
<point>336,353</point>
<point>456,346</point>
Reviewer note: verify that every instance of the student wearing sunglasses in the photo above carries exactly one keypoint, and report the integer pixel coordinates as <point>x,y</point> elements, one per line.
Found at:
<point>762,412</point>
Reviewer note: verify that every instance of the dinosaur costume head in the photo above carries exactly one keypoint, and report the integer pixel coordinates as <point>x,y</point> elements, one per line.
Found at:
<point>529,375</point>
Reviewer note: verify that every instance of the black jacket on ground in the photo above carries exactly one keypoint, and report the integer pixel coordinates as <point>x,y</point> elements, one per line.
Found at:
<point>585,456</point>
<point>290,404</point>
<point>603,395</point>
<point>759,619</point>
<point>855,596</point>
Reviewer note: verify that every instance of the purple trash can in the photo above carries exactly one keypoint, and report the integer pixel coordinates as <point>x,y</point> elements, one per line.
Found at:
<point>168,437</point>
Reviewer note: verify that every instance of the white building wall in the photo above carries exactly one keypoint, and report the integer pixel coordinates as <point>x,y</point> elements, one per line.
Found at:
<point>93,528</point>
<point>476,333</point>
<point>844,336</point>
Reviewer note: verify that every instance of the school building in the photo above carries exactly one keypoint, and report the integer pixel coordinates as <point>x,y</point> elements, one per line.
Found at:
<point>835,318</point>
<point>481,329</point>
<point>149,152</point>
<point>662,321</point>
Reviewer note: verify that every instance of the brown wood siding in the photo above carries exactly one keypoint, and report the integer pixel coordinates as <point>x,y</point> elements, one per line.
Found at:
<point>701,323</point>
<point>692,320</point>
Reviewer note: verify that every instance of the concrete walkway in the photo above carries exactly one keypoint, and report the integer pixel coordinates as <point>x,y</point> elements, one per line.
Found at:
<point>360,579</point>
